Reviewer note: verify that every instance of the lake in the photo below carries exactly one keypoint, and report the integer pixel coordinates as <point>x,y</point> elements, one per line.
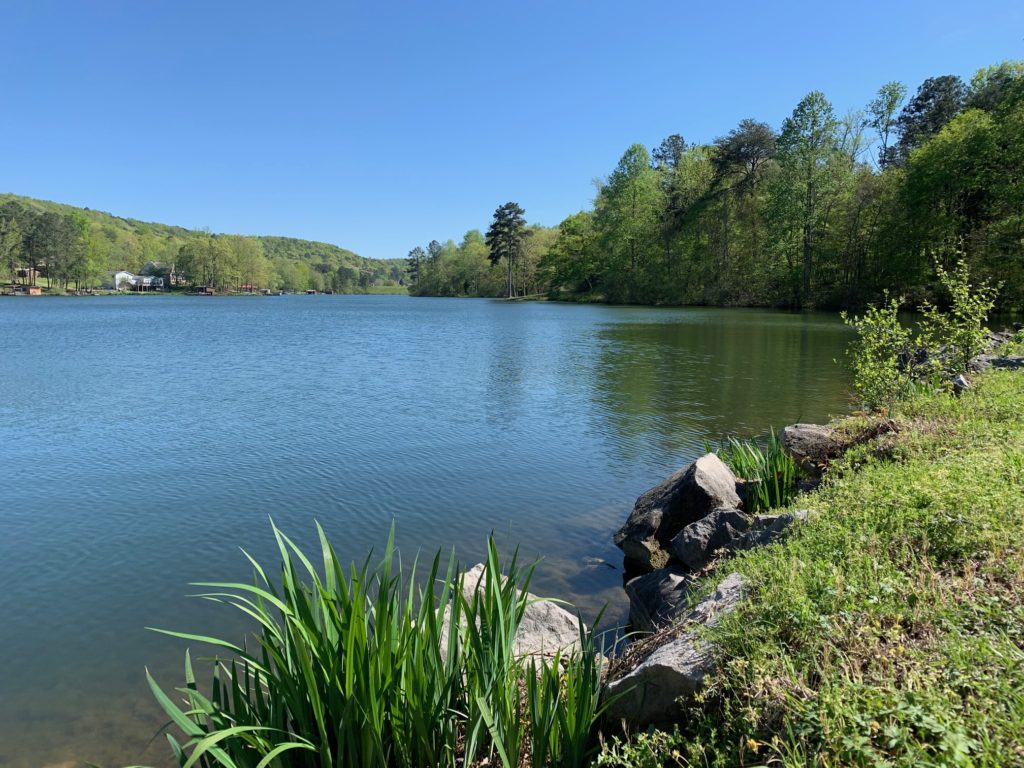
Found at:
<point>144,440</point>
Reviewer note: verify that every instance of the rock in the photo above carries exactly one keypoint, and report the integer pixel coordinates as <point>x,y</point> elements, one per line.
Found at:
<point>660,513</point>
<point>812,445</point>
<point>961,384</point>
<point>981,363</point>
<point>658,598</point>
<point>1012,362</point>
<point>546,627</point>
<point>768,529</point>
<point>648,694</point>
<point>697,543</point>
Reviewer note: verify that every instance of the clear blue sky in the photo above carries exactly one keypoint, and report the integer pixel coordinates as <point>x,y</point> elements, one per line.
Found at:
<point>379,126</point>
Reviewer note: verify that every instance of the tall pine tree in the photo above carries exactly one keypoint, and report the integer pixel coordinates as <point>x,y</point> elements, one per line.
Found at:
<point>505,238</point>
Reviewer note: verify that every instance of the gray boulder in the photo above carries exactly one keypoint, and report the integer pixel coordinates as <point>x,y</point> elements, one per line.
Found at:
<point>1013,362</point>
<point>812,445</point>
<point>696,544</point>
<point>649,693</point>
<point>658,598</point>
<point>546,627</point>
<point>961,384</point>
<point>663,511</point>
<point>768,529</point>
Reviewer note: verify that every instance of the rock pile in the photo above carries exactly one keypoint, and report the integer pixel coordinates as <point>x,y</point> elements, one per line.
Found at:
<point>681,525</point>
<point>676,531</point>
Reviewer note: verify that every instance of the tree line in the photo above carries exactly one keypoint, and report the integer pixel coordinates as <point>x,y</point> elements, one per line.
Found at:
<point>76,247</point>
<point>830,210</point>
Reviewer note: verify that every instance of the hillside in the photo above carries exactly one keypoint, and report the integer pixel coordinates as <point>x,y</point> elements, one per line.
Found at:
<point>116,242</point>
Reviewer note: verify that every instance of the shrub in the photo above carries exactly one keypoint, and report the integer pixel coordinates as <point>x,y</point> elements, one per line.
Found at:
<point>357,667</point>
<point>955,337</point>
<point>882,355</point>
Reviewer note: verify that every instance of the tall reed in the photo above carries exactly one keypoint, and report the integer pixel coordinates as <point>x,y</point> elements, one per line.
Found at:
<point>366,667</point>
<point>771,473</point>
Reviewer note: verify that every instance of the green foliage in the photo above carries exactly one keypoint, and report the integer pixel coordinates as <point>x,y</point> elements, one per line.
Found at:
<point>770,472</point>
<point>363,666</point>
<point>881,355</point>
<point>652,749</point>
<point>886,630</point>
<point>803,217</point>
<point>505,240</point>
<point>956,336</point>
<point>83,246</point>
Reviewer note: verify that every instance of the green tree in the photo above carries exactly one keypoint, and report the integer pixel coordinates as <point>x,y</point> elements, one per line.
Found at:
<point>412,265</point>
<point>12,245</point>
<point>628,217</point>
<point>807,154</point>
<point>505,239</point>
<point>882,117</point>
<point>937,101</point>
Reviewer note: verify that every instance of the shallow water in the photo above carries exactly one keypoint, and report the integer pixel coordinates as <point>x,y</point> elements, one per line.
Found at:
<point>143,440</point>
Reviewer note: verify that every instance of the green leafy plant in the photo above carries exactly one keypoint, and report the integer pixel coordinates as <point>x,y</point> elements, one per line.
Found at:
<point>651,749</point>
<point>362,666</point>
<point>771,473</point>
<point>954,337</point>
<point>882,355</point>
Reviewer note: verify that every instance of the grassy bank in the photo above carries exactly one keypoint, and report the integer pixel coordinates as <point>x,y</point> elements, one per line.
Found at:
<point>889,630</point>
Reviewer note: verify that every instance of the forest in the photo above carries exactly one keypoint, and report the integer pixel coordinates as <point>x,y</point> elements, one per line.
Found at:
<point>67,247</point>
<point>829,211</point>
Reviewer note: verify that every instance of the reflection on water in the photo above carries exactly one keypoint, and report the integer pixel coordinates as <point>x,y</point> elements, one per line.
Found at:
<point>145,439</point>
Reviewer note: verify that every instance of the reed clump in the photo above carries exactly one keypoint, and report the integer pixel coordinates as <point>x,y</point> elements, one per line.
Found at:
<point>368,666</point>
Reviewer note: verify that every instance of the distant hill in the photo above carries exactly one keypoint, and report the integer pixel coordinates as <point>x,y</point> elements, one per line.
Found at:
<point>130,243</point>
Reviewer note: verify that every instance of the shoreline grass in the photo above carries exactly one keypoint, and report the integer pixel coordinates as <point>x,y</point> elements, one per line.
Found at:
<point>889,630</point>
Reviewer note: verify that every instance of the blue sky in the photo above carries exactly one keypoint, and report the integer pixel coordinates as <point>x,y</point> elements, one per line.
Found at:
<point>379,126</point>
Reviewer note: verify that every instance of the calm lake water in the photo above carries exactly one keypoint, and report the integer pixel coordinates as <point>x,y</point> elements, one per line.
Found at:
<point>143,440</point>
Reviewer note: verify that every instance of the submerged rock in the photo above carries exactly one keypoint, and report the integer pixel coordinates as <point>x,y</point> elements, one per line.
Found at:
<point>648,693</point>
<point>658,598</point>
<point>662,512</point>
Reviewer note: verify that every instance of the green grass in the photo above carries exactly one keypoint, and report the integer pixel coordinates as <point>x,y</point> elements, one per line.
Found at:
<point>889,629</point>
<point>387,290</point>
<point>351,667</point>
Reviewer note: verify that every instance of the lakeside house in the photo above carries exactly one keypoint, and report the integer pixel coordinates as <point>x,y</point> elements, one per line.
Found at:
<point>125,280</point>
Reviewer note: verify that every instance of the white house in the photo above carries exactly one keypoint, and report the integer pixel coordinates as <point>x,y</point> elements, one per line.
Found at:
<point>126,280</point>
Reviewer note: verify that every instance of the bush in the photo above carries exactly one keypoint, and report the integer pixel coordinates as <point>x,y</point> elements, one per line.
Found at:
<point>882,355</point>
<point>955,337</point>
<point>357,668</point>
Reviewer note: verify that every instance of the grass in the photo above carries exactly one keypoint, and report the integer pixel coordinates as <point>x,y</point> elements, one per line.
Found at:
<point>375,290</point>
<point>889,630</point>
<point>356,667</point>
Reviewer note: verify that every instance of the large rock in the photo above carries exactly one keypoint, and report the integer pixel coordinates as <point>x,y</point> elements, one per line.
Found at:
<point>545,629</point>
<point>658,598</point>
<point>696,544</point>
<point>660,513</point>
<point>812,445</point>
<point>768,529</point>
<point>648,694</point>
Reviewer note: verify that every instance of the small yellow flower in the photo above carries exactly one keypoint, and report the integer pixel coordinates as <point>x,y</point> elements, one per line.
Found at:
<point>752,745</point>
